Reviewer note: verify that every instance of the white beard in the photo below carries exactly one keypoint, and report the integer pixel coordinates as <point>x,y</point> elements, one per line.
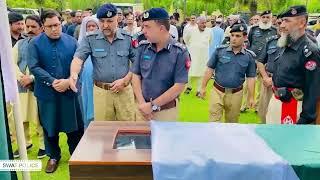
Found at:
<point>283,40</point>
<point>265,26</point>
<point>287,39</point>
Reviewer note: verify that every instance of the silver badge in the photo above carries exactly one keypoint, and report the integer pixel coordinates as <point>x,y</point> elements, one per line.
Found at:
<point>109,13</point>
<point>241,28</point>
<point>293,11</point>
<point>146,15</point>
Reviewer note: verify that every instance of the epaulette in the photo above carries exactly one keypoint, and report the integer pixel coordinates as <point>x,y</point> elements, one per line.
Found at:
<point>272,38</point>
<point>123,32</point>
<point>144,42</point>
<point>224,45</point>
<point>254,26</point>
<point>180,45</point>
<point>250,52</point>
<point>307,51</point>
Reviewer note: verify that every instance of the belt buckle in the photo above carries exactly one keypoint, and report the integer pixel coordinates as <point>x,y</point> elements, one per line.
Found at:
<point>228,90</point>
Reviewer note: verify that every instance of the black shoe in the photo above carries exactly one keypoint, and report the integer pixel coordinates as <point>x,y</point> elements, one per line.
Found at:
<point>41,154</point>
<point>188,90</point>
<point>52,166</point>
<point>198,94</point>
<point>16,153</point>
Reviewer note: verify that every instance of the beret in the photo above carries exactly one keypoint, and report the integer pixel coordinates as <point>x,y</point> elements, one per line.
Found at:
<point>238,28</point>
<point>155,14</point>
<point>265,12</point>
<point>107,11</point>
<point>294,11</point>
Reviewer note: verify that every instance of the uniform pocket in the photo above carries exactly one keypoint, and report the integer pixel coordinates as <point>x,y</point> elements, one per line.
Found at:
<point>123,57</point>
<point>146,68</point>
<point>224,60</point>
<point>243,65</point>
<point>122,53</point>
<point>271,50</point>
<point>99,55</point>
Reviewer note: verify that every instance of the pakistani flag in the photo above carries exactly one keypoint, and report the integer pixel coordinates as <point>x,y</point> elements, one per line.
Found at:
<point>4,149</point>
<point>216,151</point>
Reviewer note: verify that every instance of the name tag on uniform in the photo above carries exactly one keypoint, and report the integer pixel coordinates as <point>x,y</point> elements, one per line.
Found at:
<point>99,50</point>
<point>146,57</point>
<point>226,57</point>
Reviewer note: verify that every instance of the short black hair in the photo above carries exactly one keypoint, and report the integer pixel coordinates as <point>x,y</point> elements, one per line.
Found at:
<point>88,9</point>
<point>14,17</point>
<point>49,14</point>
<point>35,18</point>
<point>128,13</point>
<point>73,14</point>
<point>164,22</point>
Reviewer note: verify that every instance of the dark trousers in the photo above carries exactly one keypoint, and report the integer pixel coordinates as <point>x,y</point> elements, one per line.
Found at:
<point>52,143</point>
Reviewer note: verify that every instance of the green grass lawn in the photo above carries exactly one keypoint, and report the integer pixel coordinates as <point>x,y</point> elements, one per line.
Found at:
<point>191,109</point>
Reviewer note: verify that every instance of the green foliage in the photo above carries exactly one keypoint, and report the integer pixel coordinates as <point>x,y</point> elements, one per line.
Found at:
<point>192,6</point>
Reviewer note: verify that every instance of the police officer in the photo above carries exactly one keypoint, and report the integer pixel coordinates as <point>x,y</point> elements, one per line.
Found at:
<point>230,64</point>
<point>257,40</point>
<point>265,63</point>
<point>160,70</point>
<point>258,34</point>
<point>111,52</point>
<point>296,72</point>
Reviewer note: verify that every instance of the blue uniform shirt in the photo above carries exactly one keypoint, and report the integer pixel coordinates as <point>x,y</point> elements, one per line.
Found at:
<point>111,61</point>
<point>231,69</point>
<point>48,60</point>
<point>159,71</point>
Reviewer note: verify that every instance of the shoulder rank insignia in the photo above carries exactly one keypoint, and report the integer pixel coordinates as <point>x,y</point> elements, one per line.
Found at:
<point>144,42</point>
<point>224,45</point>
<point>306,51</point>
<point>180,45</point>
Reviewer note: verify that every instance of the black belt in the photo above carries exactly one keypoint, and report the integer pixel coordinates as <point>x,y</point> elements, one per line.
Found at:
<point>103,85</point>
<point>223,89</point>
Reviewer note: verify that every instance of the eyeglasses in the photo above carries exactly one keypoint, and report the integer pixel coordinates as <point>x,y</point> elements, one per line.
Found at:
<point>55,26</point>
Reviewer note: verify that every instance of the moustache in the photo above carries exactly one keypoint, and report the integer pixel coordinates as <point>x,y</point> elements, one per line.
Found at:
<point>31,33</point>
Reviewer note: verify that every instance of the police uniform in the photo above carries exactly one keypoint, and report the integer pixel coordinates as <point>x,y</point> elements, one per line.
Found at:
<point>296,79</point>
<point>230,72</point>
<point>257,40</point>
<point>159,71</point>
<point>267,57</point>
<point>111,61</point>
<point>258,37</point>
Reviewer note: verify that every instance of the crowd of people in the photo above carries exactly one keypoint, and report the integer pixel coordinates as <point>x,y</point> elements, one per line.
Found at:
<point>76,66</point>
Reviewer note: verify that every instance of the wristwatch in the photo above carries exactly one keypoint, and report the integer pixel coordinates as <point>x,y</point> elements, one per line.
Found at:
<point>154,107</point>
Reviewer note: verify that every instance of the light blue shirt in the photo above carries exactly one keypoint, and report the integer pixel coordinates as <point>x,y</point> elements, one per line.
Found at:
<point>217,35</point>
<point>87,92</point>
